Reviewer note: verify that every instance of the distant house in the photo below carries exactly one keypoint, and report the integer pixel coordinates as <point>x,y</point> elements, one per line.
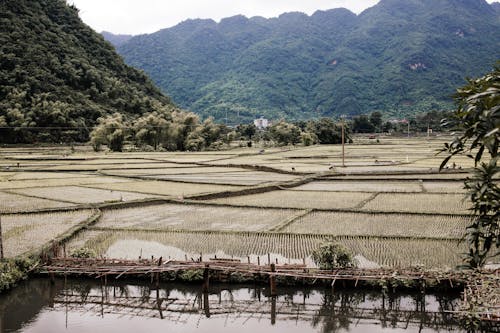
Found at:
<point>261,123</point>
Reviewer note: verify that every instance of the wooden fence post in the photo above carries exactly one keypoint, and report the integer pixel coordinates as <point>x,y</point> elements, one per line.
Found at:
<point>1,240</point>
<point>272,280</point>
<point>206,278</point>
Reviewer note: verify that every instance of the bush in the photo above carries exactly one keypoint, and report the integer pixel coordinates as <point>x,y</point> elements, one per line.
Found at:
<point>83,253</point>
<point>331,255</point>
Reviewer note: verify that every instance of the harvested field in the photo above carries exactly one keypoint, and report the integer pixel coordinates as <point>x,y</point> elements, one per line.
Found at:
<point>47,175</point>
<point>24,233</point>
<point>177,170</point>
<point>195,217</point>
<point>20,184</point>
<point>231,178</point>
<point>418,203</point>
<point>81,195</point>
<point>15,203</point>
<point>390,225</point>
<point>298,199</point>
<point>95,167</point>
<point>444,187</point>
<point>165,188</point>
<point>361,186</point>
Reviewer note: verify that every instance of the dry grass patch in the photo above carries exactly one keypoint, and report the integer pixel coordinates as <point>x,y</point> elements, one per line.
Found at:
<point>19,184</point>
<point>418,203</point>
<point>166,188</point>
<point>444,187</point>
<point>29,232</point>
<point>177,169</point>
<point>393,225</point>
<point>233,178</point>
<point>15,203</point>
<point>298,199</point>
<point>81,195</point>
<point>361,186</point>
<point>195,217</point>
<point>46,175</point>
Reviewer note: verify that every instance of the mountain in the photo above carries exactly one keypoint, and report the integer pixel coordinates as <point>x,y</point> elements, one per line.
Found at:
<point>399,57</point>
<point>57,72</point>
<point>496,6</point>
<point>116,40</point>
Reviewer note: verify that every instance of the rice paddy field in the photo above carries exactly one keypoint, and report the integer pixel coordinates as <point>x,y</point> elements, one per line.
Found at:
<point>389,205</point>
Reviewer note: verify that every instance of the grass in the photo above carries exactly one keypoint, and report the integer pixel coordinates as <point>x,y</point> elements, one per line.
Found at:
<point>444,187</point>
<point>361,186</point>
<point>391,225</point>
<point>29,232</point>
<point>81,195</point>
<point>418,203</point>
<point>416,232</point>
<point>390,252</point>
<point>231,178</point>
<point>15,203</point>
<point>194,217</point>
<point>298,199</point>
<point>165,188</point>
<point>20,184</point>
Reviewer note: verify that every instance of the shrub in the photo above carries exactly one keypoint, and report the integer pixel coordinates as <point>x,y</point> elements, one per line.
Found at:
<point>331,255</point>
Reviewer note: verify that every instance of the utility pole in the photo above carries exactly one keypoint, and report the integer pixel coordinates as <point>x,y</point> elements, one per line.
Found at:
<point>1,241</point>
<point>343,142</point>
<point>408,128</point>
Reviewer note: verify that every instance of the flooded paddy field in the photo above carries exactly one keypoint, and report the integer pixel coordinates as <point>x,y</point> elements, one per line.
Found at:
<point>88,306</point>
<point>389,206</point>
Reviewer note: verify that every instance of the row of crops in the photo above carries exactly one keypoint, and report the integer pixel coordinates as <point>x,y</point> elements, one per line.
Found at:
<point>144,200</point>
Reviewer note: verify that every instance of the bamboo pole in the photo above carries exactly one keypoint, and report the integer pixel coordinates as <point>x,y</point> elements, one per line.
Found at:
<point>1,239</point>
<point>272,280</point>
<point>343,143</point>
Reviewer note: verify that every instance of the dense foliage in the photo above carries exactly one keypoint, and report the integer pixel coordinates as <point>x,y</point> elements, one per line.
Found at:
<point>332,255</point>
<point>159,129</point>
<point>398,57</point>
<point>58,76</point>
<point>478,120</point>
<point>14,270</point>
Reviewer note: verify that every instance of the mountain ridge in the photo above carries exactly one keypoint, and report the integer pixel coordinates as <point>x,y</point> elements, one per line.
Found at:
<point>398,57</point>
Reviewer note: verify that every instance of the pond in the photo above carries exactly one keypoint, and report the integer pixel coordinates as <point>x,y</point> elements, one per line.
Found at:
<point>87,306</point>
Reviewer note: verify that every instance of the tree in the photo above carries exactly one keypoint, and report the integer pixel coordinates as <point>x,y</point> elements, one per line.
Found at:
<point>326,131</point>
<point>362,124</point>
<point>478,120</point>
<point>376,120</point>
<point>285,133</point>
<point>110,131</point>
<point>151,129</point>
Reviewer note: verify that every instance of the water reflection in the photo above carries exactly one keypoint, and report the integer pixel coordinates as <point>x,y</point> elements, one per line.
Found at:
<point>76,306</point>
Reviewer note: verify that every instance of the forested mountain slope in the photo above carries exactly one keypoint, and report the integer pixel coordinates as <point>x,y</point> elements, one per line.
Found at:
<point>399,57</point>
<point>57,72</point>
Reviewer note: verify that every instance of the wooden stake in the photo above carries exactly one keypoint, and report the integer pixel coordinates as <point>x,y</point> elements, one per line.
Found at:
<point>272,280</point>
<point>206,277</point>
<point>1,241</point>
<point>343,144</point>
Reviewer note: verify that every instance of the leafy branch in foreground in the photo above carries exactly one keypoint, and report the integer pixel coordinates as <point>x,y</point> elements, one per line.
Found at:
<point>477,119</point>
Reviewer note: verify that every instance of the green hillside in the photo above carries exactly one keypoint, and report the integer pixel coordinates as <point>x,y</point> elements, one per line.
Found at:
<point>57,72</point>
<point>399,57</point>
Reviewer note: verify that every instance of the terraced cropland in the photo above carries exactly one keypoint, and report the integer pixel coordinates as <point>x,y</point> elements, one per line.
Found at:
<point>389,205</point>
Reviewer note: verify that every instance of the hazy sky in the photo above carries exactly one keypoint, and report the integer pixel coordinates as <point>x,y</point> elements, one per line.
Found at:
<point>146,16</point>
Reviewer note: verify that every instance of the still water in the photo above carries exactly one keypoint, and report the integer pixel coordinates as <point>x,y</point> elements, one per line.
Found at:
<point>87,306</point>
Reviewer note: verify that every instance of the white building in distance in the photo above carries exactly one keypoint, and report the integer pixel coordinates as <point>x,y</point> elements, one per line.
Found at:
<point>261,123</point>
